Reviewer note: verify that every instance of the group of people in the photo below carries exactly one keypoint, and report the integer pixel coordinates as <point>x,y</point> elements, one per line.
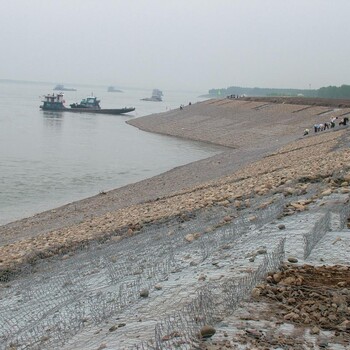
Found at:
<point>183,106</point>
<point>328,125</point>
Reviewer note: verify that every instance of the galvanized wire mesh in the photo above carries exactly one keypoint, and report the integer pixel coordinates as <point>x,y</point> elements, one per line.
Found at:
<point>49,303</point>
<point>311,238</point>
<point>180,330</point>
<point>344,215</point>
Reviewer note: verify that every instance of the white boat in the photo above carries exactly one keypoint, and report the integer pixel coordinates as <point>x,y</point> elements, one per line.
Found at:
<point>156,96</point>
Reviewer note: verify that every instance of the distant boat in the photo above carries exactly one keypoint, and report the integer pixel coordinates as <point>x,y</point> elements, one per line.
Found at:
<point>60,87</point>
<point>113,89</point>
<point>156,96</point>
<point>90,104</point>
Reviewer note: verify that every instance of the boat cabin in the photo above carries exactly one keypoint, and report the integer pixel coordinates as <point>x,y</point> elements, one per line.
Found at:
<point>53,102</point>
<point>90,102</point>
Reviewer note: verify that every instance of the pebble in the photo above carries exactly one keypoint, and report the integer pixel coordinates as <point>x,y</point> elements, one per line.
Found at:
<point>256,292</point>
<point>345,325</point>
<point>114,259</point>
<point>144,293</point>
<point>291,316</point>
<point>202,277</point>
<point>323,344</point>
<point>261,251</point>
<point>292,259</point>
<point>207,331</point>
<point>113,328</point>
<point>253,333</point>
<point>315,330</point>
<point>44,338</point>
<point>326,192</point>
<point>288,191</point>
<point>189,237</point>
<point>237,204</point>
<point>158,286</point>
<point>277,277</point>
<point>281,226</point>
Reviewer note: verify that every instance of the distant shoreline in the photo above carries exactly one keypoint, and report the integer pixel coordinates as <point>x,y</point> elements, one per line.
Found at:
<point>325,102</point>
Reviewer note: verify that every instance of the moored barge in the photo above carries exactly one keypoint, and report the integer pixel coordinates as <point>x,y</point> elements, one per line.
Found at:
<point>90,104</point>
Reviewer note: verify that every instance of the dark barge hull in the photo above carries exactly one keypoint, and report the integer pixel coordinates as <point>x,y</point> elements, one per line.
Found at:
<point>101,111</point>
<point>91,110</point>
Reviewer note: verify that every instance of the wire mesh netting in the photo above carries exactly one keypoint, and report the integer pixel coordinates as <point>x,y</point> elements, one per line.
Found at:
<point>48,304</point>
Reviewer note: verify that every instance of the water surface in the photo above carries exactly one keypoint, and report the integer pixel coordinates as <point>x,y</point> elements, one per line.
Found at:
<point>48,159</point>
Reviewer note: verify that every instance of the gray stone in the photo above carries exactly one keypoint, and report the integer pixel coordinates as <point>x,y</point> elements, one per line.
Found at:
<point>113,328</point>
<point>144,293</point>
<point>207,331</point>
<point>202,277</point>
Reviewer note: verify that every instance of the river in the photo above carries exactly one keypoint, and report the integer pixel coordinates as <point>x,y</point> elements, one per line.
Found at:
<point>48,159</point>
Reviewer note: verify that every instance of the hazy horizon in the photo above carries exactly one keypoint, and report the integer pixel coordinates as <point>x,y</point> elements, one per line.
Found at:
<point>193,45</point>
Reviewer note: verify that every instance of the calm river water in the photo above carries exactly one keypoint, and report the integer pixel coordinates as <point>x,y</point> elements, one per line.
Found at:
<point>49,159</point>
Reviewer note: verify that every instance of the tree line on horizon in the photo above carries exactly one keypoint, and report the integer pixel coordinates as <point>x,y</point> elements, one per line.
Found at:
<point>342,91</point>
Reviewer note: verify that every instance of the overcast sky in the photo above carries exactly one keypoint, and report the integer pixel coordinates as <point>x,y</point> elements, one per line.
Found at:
<point>177,44</point>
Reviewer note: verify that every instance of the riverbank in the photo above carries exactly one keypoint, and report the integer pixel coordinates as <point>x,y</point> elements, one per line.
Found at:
<point>153,262</point>
<point>250,129</point>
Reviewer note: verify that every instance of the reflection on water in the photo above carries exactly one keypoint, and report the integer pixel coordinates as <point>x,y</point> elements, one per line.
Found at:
<point>49,158</point>
<point>52,114</point>
<point>53,119</point>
